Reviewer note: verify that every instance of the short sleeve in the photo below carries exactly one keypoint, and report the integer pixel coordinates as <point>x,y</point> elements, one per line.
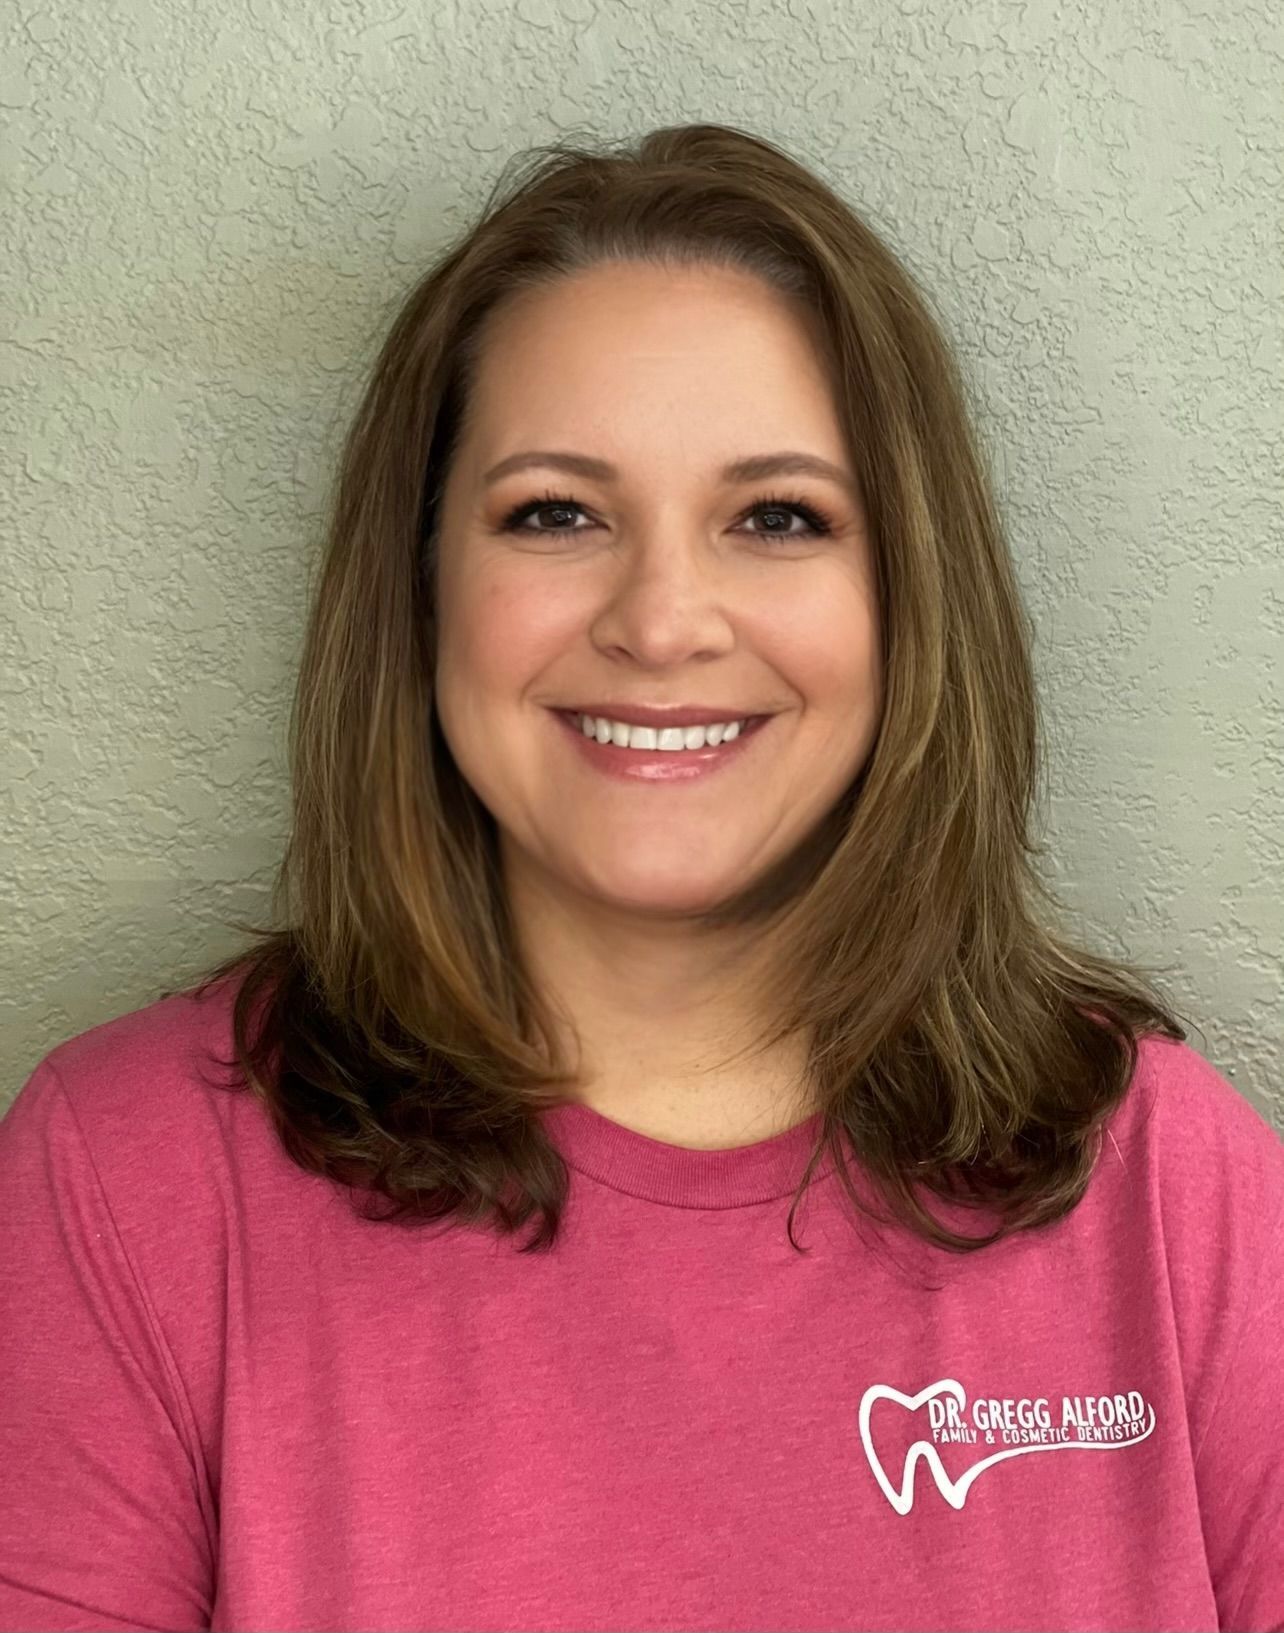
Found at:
<point>101,1523</point>
<point>1239,1465</point>
<point>1220,1166</point>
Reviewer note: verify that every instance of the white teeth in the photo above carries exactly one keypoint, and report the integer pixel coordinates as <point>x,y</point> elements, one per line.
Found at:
<point>667,737</point>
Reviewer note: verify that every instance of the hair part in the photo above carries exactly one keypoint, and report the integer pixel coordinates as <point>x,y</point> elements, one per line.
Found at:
<point>958,1046</point>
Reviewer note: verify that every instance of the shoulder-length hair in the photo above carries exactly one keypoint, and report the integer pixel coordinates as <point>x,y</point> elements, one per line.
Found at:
<point>957,1046</point>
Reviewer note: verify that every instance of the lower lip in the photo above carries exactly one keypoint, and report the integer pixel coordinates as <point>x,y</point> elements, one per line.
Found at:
<point>660,765</point>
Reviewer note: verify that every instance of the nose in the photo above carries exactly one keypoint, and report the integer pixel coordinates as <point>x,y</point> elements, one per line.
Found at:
<point>665,601</point>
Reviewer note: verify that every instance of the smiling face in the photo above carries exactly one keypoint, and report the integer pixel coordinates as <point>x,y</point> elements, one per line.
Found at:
<point>664,584</point>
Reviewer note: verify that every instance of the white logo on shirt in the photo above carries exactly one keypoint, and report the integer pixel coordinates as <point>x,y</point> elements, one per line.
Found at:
<point>1087,1423</point>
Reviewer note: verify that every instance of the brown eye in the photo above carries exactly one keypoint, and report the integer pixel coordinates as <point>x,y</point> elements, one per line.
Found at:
<point>553,502</point>
<point>817,524</point>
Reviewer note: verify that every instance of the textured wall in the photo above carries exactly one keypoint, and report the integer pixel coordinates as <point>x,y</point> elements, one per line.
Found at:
<point>210,211</point>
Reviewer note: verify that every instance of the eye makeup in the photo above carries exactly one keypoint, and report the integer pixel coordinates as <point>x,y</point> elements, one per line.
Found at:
<point>818,524</point>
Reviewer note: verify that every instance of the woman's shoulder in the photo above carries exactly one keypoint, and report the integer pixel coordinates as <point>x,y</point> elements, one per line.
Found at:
<point>1196,1177</point>
<point>145,1054</point>
<point>1193,1130</point>
<point>142,1095</point>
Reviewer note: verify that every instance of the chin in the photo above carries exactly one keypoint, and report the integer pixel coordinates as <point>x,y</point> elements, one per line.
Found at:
<point>665,898</point>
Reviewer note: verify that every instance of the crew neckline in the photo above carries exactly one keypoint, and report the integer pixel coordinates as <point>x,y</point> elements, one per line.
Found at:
<point>678,1176</point>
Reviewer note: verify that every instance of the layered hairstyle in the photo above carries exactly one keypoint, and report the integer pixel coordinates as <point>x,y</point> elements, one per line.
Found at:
<point>958,1045</point>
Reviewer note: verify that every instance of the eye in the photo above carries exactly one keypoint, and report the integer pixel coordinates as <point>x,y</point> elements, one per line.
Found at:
<point>512,523</point>
<point>816,523</point>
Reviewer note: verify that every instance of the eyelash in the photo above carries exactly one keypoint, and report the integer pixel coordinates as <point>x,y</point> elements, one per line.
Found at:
<point>818,523</point>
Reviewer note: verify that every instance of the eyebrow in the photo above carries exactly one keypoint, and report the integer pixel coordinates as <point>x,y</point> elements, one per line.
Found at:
<point>753,469</point>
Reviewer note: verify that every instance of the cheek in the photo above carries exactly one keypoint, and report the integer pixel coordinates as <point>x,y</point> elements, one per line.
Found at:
<point>497,633</point>
<point>824,638</point>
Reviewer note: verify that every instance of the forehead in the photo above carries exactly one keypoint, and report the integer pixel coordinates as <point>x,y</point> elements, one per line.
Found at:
<point>639,311</point>
<point>631,348</point>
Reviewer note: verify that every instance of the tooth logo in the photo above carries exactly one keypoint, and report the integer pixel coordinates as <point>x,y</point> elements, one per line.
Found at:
<point>922,1451</point>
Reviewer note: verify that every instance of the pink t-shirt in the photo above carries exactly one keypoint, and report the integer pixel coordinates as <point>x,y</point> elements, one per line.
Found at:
<point>226,1401</point>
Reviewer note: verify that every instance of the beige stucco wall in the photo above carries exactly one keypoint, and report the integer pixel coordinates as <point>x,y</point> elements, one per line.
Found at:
<point>210,211</point>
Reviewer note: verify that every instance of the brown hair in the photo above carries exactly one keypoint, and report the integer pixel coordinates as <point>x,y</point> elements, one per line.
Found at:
<point>958,1047</point>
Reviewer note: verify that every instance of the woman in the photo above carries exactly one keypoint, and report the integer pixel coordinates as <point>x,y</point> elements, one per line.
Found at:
<point>663,755</point>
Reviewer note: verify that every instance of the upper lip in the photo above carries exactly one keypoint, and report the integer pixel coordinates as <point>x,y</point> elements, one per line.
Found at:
<point>639,714</point>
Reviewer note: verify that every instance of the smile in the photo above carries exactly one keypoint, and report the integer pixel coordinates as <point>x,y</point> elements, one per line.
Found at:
<point>655,764</point>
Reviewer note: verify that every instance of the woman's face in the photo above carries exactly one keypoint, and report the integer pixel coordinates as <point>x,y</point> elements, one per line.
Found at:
<point>666,586</point>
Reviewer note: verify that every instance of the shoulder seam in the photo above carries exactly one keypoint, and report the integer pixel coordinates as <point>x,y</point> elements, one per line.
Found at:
<point>177,1395</point>
<point>1274,1236</point>
<point>1250,1301</point>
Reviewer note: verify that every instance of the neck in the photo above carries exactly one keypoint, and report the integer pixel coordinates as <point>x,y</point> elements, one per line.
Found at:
<point>648,1013</point>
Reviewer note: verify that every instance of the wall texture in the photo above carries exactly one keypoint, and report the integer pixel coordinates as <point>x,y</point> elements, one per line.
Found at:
<point>210,212</point>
